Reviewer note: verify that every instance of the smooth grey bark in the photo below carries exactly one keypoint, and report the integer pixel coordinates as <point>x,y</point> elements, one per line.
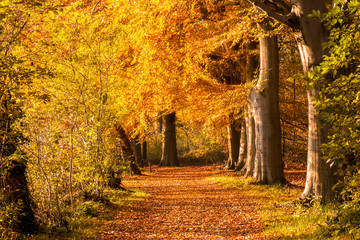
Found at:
<point>320,175</point>
<point>248,146</point>
<point>233,143</point>
<point>264,98</point>
<point>242,147</point>
<point>169,151</point>
<point>249,165</point>
<point>310,34</point>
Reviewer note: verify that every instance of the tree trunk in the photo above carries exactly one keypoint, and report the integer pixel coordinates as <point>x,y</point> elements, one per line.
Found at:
<point>310,36</point>
<point>249,166</point>
<point>159,122</point>
<point>243,148</point>
<point>169,151</point>
<point>14,192</point>
<point>144,149</point>
<point>137,147</point>
<point>233,143</point>
<point>269,167</point>
<point>320,176</point>
<point>128,150</point>
<point>248,156</point>
<point>16,196</point>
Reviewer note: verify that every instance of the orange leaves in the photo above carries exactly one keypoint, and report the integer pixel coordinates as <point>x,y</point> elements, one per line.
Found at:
<point>169,73</point>
<point>185,205</point>
<point>150,55</point>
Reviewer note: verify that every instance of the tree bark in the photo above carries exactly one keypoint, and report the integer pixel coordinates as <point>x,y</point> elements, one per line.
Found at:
<point>128,150</point>
<point>249,166</point>
<point>320,175</point>
<point>144,149</point>
<point>14,191</point>
<point>248,156</point>
<point>137,147</point>
<point>269,167</point>
<point>169,152</point>
<point>233,143</point>
<point>310,34</point>
<point>159,122</point>
<point>243,147</point>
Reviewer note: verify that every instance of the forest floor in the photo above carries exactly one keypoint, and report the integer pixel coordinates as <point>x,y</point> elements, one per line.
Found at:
<point>186,203</point>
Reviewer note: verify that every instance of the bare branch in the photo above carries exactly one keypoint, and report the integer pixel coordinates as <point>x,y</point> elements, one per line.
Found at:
<point>14,36</point>
<point>92,12</point>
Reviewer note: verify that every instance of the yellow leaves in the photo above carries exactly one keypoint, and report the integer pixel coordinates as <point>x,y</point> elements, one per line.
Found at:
<point>151,56</point>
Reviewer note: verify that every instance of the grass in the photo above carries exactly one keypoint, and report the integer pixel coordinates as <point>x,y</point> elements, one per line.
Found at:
<point>281,216</point>
<point>91,218</point>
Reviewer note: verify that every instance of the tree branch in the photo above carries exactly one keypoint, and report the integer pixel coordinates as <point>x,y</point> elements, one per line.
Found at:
<point>264,7</point>
<point>302,127</point>
<point>93,10</point>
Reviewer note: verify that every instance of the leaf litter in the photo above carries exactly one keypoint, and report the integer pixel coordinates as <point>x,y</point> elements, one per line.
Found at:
<point>185,204</point>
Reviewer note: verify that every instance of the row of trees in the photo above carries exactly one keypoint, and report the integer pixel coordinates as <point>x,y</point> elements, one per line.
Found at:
<point>311,34</point>
<point>81,78</point>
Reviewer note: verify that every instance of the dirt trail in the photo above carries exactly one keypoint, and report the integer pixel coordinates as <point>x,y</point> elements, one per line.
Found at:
<point>185,204</point>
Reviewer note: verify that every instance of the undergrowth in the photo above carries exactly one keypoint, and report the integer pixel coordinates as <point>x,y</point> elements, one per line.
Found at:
<point>284,217</point>
<point>88,217</point>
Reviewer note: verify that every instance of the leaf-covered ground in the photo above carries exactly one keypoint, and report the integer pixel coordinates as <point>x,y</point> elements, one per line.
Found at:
<point>185,204</point>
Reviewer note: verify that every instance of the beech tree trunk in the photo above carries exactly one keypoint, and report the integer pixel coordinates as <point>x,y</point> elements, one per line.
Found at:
<point>249,165</point>
<point>159,122</point>
<point>310,36</point>
<point>247,158</point>
<point>243,147</point>
<point>127,150</point>
<point>144,153</point>
<point>269,167</point>
<point>169,152</point>
<point>137,148</point>
<point>233,143</point>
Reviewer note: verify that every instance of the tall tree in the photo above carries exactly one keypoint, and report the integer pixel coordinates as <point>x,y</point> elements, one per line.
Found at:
<point>262,158</point>
<point>14,191</point>
<point>264,100</point>
<point>310,34</point>
<point>84,46</point>
<point>339,100</point>
<point>15,73</point>
<point>227,66</point>
<point>137,149</point>
<point>247,148</point>
<point>234,133</point>
<point>128,150</point>
<point>169,151</point>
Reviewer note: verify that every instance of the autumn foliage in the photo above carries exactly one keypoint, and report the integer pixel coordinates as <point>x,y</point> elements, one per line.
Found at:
<point>85,83</point>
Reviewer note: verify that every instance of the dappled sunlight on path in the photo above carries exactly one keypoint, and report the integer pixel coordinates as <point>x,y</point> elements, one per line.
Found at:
<point>185,204</point>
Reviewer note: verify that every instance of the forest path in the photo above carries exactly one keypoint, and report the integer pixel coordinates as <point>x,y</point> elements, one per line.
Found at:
<point>185,204</point>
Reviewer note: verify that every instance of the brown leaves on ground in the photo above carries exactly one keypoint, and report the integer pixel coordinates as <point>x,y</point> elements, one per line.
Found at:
<point>184,204</point>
